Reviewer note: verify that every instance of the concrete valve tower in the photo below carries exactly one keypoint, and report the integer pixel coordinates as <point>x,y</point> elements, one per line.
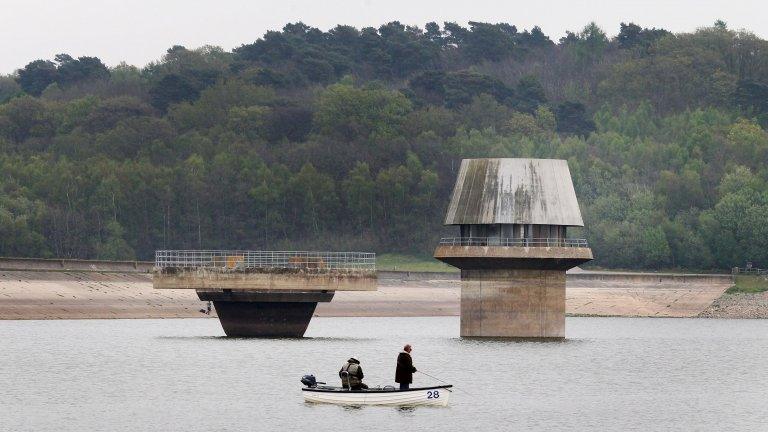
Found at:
<point>512,248</point>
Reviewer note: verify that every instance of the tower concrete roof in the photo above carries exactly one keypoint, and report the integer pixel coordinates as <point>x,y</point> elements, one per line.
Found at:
<point>514,191</point>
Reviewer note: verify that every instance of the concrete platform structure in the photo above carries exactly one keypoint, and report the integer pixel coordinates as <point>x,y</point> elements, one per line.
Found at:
<point>265,293</point>
<point>512,248</point>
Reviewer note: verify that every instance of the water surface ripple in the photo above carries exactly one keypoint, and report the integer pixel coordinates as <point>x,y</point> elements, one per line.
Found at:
<point>182,375</point>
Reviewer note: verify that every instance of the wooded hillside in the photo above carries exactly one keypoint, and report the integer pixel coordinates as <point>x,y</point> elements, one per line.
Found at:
<point>350,140</point>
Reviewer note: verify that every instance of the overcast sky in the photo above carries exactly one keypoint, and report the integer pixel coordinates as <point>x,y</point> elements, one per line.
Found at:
<point>139,31</point>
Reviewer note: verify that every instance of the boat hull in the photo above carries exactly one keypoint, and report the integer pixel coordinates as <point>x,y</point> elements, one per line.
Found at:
<point>425,396</point>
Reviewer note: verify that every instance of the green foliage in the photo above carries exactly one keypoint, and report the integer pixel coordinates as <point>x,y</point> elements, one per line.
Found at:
<point>183,74</point>
<point>351,139</point>
<point>359,188</point>
<point>572,118</point>
<point>9,88</point>
<point>20,223</point>
<point>114,246</point>
<point>350,113</point>
<point>173,88</point>
<point>35,77</point>
<point>588,46</point>
<point>749,285</point>
<point>233,100</point>
<point>529,94</point>
<point>486,41</point>
<point>25,118</point>
<point>401,262</point>
<point>306,54</point>
<point>71,71</point>
<point>632,36</point>
<point>752,96</point>
<point>454,89</point>
<point>315,199</point>
<point>709,67</point>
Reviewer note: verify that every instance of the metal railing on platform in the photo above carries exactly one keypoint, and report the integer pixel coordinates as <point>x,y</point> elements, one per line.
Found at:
<point>520,242</point>
<point>750,270</point>
<point>241,260</point>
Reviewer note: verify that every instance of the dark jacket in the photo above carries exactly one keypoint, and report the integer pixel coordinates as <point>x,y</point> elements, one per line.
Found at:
<point>405,369</point>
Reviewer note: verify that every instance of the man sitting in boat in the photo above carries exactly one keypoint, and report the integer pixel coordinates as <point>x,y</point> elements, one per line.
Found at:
<point>351,375</point>
<point>405,369</point>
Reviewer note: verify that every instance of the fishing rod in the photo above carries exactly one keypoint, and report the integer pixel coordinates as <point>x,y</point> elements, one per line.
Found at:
<point>444,382</point>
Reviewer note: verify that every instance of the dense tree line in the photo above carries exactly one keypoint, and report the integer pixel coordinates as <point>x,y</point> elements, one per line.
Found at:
<point>351,139</point>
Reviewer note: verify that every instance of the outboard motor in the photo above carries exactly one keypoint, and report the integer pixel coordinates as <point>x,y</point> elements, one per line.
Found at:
<point>309,380</point>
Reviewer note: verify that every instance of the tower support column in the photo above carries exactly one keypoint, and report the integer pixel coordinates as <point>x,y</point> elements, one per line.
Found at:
<point>513,303</point>
<point>264,314</point>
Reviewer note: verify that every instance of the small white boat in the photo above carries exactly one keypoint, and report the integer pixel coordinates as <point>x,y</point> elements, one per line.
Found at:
<point>320,392</point>
<point>388,396</point>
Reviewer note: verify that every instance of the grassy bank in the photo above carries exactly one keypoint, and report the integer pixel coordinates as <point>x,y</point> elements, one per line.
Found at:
<point>749,284</point>
<point>397,262</point>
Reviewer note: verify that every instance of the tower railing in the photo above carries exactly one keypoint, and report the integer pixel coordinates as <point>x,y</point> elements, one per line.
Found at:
<point>750,270</point>
<point>519,242</point>
<point>244,260</point>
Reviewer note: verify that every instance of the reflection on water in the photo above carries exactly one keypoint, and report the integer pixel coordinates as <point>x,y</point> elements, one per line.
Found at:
<point>610,373</point>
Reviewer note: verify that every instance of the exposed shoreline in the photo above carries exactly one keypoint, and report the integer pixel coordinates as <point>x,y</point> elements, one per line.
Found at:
<point>96,292</point>
<point>738,305</point>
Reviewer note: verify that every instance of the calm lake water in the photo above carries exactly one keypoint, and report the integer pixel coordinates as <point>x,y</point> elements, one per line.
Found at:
<point>182,375</point>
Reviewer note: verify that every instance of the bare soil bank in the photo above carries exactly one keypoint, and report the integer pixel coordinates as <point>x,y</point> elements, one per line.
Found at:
<point>89,294</point>
<point>587,294</point>
<point>82,294</point>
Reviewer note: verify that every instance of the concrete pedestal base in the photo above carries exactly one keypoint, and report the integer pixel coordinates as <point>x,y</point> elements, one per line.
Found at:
<point>264,314</point>
<point>513,303</point>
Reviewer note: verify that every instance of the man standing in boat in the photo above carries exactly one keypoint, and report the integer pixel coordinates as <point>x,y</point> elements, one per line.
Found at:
<point>351,375</point>
<point>405,369</point>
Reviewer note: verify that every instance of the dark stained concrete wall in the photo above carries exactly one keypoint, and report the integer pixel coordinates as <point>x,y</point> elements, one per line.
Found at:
<point>513,191</point>
<point>265,279</point>
<point>513,303</point>
<point>264,314</point>
<point>506,257</point>
<point>42,264</point>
